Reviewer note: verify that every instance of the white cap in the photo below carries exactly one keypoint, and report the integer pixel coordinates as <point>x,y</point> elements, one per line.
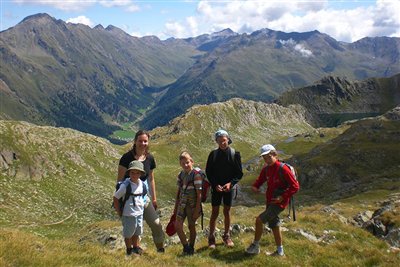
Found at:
<point>265,149</point>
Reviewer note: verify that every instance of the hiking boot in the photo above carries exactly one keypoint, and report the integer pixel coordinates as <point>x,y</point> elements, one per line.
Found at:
<point>253,249</point>
<point>275,254</point>
<point>188,250</point>
<point>128,251</point>
<point>137,250</point>
<point>211,242</point>
<point>227,240</point>
<point>161,250</point>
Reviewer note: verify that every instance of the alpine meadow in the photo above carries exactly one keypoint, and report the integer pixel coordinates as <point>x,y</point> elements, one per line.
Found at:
<point>72,98</point>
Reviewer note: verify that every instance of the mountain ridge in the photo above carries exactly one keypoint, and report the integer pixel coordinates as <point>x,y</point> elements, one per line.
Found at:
<point>263,65</point>
<point>98,80</point>
<point>330,97</point>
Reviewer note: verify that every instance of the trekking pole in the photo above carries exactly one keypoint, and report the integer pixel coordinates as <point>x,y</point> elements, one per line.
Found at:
<point>294,211</point>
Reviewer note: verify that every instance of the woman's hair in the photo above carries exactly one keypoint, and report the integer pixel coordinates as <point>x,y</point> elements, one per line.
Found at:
<point>139,133</point>
<point>185,155</point>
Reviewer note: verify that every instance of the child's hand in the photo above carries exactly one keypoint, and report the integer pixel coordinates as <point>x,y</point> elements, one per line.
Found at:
<point>227,187</point>
<point>255,189</point>
<point>277,200</point>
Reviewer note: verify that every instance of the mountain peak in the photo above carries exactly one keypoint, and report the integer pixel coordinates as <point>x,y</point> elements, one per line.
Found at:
<point>224,33</point>
<point>99,27</point>
<point>38,16</point>
<point>40,19</point>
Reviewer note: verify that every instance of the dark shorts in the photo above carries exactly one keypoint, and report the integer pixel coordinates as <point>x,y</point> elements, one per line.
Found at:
<point>271,215</point>
<point>217,197</point>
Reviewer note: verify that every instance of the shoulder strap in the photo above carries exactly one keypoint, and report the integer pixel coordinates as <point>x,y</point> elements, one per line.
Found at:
<point>144,191</point>
<point>128,188</point>
<point>281,177</point>
<point>215,152</point>
<point>180,178</point>
<point>127,193</point>
<point>291,200</point>
<point>232,154</point>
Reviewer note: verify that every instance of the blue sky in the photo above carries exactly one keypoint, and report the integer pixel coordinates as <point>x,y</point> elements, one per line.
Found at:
<point>343,20</point>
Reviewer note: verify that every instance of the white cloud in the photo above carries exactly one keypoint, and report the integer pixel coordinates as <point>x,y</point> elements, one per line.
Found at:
<point>193,26</point>
<point>70,5</point>
<point>300,48</point>
<point>81,20</point>
<point>113,3</point>
<point>128,4</point>
<point>175,29</point>
<point>133,8</point>
<point>349,23</point>
<point>79,5</point>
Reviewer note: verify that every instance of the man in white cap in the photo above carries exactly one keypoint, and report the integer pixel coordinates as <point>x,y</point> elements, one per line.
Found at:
<point>224,170</point>
<point>281,186</point>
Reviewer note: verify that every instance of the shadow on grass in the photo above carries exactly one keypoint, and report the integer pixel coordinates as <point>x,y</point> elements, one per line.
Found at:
<point>227,255</point>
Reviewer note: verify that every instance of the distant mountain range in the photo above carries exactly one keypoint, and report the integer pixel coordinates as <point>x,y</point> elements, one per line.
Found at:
<point>71,75</point>
<point>96,79</point>
<point>334,100</point>
<point>262,65</point>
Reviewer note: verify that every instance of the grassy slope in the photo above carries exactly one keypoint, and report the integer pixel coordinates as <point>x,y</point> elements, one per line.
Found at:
<point>58,244</point>
<point>350,246</point>
<point>72,174</point>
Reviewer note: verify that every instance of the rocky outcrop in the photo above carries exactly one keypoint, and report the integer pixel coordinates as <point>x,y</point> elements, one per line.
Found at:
<point>383,222</point>
<point>243,117</point>
<point>363,158</point>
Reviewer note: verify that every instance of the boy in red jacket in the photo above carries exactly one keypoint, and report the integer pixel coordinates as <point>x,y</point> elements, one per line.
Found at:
<point>277,196</point>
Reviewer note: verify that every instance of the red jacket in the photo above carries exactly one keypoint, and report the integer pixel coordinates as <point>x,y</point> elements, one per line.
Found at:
<point>270,174</point>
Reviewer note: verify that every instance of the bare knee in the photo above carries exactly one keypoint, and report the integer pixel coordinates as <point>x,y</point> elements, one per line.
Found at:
<point>227,210</point>
<point>178,225</point>
<point>214,212</point>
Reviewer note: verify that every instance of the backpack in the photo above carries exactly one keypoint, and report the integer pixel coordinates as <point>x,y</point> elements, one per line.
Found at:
<point>231,160</point>
<point>128,192</point>
<point>204,191</point>
<point>205,184</point>
<point>294,172</point>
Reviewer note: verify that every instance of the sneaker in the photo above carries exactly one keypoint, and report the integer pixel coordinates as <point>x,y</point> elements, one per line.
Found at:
<point>137,250</point>
<point>211,242</point>
<point>227,240</point>
<point>275,254</point>
<point>161,250</point>
<point>253,249</point>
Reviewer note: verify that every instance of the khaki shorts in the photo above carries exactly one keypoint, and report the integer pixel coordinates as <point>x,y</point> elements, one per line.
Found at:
<point>187,211</point>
